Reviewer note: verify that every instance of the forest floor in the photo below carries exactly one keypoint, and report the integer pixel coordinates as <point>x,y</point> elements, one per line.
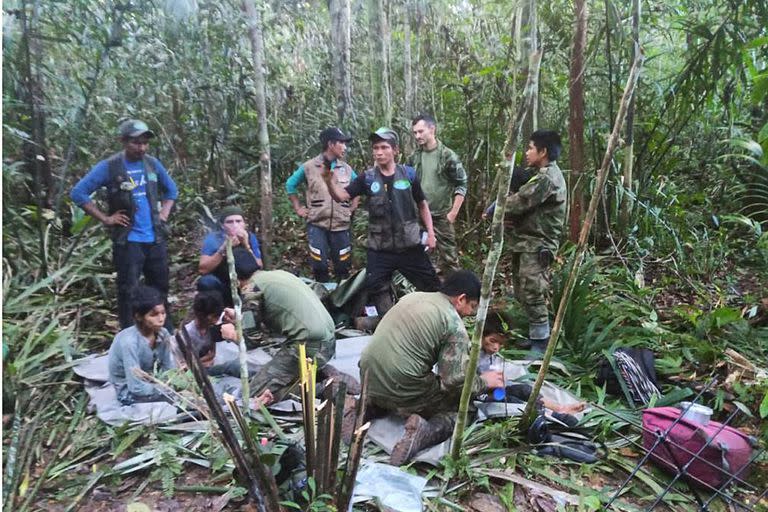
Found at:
<point>469,484</point>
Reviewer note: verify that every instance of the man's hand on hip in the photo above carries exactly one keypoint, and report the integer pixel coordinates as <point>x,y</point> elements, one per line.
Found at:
<point>118,218</point>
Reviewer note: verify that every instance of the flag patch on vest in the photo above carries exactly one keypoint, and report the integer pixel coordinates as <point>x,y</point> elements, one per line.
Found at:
<point>402,184</point>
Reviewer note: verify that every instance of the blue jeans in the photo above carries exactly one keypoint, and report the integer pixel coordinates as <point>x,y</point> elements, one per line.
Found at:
<point>131,260</point>
<point>210,282</point>
<point>325,245</point>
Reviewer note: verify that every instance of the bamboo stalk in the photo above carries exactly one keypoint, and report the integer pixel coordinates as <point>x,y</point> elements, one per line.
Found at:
<point>494,255</point>
<point>255,493</point>
<point>581,248</point>
<point>238,306</point>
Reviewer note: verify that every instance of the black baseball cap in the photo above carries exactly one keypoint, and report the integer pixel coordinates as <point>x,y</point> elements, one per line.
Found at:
<point>134,128</point>
<point>333,134</point>
<point>385,134</point>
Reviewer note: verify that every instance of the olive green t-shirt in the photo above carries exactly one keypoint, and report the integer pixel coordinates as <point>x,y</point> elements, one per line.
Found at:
<point>421,330</point>
<point>292,309</point>
<point>438,190</point>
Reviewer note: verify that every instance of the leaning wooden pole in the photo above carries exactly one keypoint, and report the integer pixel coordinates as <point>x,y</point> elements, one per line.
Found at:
<point>581,247</point>
<point>238,304</point>
<point>497,228</point>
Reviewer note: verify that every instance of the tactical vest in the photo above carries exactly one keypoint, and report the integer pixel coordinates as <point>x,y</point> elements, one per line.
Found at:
<point>324,212</point>
<point>393,223</point>
<point>119,198</point>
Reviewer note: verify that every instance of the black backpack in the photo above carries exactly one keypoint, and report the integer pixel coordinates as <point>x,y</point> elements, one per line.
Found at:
<point>629,371</point>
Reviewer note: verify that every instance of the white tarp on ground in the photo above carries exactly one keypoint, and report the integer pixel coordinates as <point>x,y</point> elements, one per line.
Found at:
<point>385,432</point>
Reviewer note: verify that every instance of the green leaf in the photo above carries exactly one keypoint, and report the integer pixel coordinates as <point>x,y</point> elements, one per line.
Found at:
<point>764,407</point>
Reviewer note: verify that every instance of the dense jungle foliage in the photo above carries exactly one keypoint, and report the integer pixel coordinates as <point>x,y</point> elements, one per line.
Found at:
<point>678,259</point>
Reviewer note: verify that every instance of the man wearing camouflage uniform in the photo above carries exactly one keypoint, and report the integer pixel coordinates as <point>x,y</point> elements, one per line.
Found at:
<point>444,181</point>
<point>537,215</point>
<point>424,329</point>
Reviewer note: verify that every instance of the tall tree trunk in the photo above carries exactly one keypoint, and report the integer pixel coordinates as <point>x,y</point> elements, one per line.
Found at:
<point>380,38</point>
<point>255,31</point>
<point>341,42</point>
<point>576,118</point>
<point>407,62</point>
<point>533,45</point>
<point>625,212</point>
<point>581,247</point>
<point>35,152</point>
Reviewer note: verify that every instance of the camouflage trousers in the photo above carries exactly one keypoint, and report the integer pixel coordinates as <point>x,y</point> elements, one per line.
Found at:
<point>433,402</point>
<point>281,374</point>
<point>445,258</point>
<point>531,281</point>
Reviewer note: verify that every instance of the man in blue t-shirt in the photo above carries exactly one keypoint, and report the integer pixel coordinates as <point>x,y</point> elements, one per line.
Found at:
<point>213,255</point>
<point>140,195</point>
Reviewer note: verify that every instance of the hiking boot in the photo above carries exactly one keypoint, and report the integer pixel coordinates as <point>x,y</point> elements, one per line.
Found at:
<point>353,386</point>
<point>420,434</point>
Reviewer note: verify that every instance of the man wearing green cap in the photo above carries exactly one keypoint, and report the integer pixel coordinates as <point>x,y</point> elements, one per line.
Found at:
<point>140,195</point>
<point>395,205</point>
<point>444,181</point>
<point>327,220</point>
<point>213,255</point>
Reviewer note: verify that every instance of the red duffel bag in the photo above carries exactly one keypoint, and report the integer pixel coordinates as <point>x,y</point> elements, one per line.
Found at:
<point>727,454</point>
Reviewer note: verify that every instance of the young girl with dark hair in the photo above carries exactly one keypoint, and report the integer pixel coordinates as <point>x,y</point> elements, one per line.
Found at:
<point>144,345</point>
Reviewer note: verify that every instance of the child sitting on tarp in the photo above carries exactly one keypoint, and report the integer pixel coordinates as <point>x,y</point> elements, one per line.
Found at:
<point>144,345</point>
<point>207,328</point>
<point>489,359</point>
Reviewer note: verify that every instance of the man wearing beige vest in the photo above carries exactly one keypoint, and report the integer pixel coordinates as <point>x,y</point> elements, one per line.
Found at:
<point>327,220</point>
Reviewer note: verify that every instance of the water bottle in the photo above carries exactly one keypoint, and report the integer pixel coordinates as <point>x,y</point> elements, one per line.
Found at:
<point>498,394</point>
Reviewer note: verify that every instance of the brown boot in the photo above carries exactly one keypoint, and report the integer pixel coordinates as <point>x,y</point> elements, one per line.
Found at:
<point>353,386</point>
<point>420,434</point>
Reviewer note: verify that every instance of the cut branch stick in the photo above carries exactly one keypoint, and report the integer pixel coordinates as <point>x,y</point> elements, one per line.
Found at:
<point>255,493</point>
<point>322,447</point>
<point>353,464</point>
<point>578,257</point>
<point>238,306</point>
<point>338,414</point>
<point>494,255</point>
<point>265,476</point>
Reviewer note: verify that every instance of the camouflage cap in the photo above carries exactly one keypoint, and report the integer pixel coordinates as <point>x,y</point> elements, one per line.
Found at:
<point>385,134</point>
<point>134,128</point>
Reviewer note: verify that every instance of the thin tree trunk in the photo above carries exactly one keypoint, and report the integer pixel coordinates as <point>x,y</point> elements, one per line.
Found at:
<point>34,149</point>
<point>581,248</point>
<point>625,212</point>
<point>407,62</point>
<point>380,38</point>
<point>340,11</point>
<point>255,31</point>
<point>533,45</point>
<point>497,228</point>
<point>576,118</point>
